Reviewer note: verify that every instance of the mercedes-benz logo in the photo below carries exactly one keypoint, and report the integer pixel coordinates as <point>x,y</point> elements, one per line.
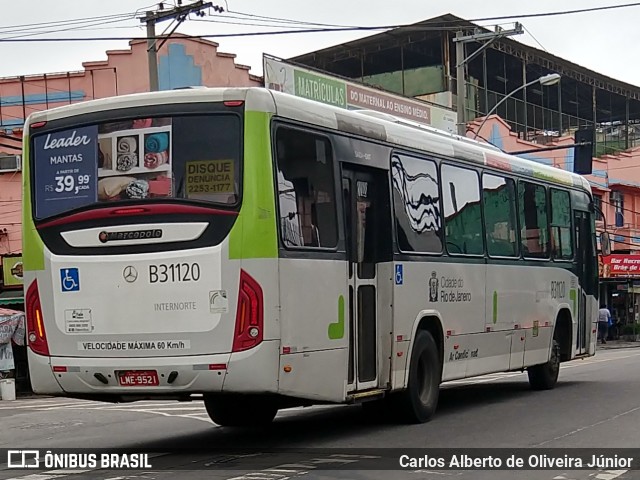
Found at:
<point>130,274</point>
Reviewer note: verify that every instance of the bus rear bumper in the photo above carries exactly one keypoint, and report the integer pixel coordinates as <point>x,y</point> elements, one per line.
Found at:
<point>252,371</point>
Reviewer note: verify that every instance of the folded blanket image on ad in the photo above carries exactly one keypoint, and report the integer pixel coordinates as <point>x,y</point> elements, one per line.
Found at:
<point>127,145</point>
<point>142,123</point>
<point>110,188</point>
<point>154,160</point>
<point>156,143</point>
<point>137,189</point>
<point>126,161</point>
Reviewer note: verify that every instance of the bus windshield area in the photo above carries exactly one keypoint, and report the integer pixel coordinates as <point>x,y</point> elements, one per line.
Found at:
<point>195,157</point>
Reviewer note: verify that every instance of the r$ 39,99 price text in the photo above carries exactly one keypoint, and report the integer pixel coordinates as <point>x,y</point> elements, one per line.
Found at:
<point>70,184</point>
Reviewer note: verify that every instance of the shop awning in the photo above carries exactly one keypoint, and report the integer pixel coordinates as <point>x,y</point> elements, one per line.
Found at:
<point>11,297</point>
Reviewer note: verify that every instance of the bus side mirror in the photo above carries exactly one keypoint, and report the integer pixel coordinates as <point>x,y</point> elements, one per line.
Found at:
<point>605,244</point>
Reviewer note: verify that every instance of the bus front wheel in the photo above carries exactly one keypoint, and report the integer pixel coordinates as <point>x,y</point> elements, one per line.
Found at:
<point>417,404</point>
<point>545,376</point>
<point>240,410</point>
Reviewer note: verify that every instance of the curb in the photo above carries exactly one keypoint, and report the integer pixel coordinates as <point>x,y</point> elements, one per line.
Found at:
<point>614,346</point>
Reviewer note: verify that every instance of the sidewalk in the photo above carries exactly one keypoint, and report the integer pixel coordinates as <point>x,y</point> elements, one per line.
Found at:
<point>613,344</point>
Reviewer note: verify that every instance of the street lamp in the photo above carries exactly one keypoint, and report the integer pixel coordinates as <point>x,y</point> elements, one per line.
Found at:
<point>545,81</point>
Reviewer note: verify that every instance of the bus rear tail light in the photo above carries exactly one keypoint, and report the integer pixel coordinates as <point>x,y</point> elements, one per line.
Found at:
<point>250,314</point>
<point>36,335</point>
<point>130,211</point>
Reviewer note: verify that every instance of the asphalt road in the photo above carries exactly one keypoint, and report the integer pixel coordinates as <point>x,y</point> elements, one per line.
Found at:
<point>595,405</point>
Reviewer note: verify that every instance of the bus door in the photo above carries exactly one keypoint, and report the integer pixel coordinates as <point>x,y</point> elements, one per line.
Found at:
<point>583,255</point>
<point>367,214</point>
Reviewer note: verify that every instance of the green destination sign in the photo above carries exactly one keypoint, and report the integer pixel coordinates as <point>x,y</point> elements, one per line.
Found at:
<point>320,89</point>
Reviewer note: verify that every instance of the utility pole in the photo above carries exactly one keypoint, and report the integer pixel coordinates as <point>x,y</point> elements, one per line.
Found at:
<point>152,54</point>
<point>461,85</point>
<point>178,13</point>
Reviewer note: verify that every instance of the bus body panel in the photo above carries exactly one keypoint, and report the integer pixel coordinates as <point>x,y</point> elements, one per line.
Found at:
<point>213,369</point>
<point>314,328</point>
<point>513,332</point>
<point>201,374</point>
<point>128,305</point>
<point>319,375</point>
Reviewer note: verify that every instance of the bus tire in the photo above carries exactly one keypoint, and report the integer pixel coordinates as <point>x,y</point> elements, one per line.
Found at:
<point>545,376</point>
<point>240,410</point>
<point>417,404</point>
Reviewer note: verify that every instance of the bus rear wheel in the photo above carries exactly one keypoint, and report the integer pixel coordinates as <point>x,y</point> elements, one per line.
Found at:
<point>545,376</point>
<point>417,404</point>
<point>240,410</point>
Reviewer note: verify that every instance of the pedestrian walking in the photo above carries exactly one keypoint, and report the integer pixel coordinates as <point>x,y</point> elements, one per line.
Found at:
<point>604,317</point>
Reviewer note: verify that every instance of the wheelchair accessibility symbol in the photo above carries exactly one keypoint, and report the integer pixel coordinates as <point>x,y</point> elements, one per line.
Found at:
<point>399,274</point>
<point>70,279</point>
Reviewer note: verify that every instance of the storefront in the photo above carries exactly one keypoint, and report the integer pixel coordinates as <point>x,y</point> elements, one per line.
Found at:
<point>620,289</point>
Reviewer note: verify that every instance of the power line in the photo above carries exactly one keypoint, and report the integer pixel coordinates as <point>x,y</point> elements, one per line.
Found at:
<point>79,20</point>
<point>219,35</point>
<point>335,29</point>
<point>10,146</point>
<point>553,14</point>
<point>301,27</point>
<point>620,208</point>
<point>628,244</point>
<point>536,40</point>
<point>66,29</point>
<point>35,26</point>
<point>281,20</point>
<point>485,19</point>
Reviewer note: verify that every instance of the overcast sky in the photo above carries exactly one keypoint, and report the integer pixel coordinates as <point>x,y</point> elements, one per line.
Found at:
<point>605,41</point>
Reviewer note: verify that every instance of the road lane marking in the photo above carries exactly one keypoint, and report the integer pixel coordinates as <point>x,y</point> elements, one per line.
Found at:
<point>49,475</point>
<point>586,427</point>
<point>55,405</point>
<point>610,474</point>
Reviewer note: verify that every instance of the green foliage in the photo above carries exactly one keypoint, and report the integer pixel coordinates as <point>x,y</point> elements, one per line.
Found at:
<point>631,329</point>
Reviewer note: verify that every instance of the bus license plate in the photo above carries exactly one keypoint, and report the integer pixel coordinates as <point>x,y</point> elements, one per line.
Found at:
<point>139,378</point>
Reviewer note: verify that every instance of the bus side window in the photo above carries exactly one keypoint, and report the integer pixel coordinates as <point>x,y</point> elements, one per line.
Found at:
<point>534,234</point>
<point>462,211</point>
<point>306,194</point>
<point>416,201</point>
<point>499,198</point>
<point>562,246</point>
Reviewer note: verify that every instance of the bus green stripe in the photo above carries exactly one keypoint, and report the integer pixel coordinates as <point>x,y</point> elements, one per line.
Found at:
<point>32,246</point>
<point>254,233</point>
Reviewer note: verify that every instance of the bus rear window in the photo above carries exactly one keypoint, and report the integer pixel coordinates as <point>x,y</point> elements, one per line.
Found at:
<point>194,157</point>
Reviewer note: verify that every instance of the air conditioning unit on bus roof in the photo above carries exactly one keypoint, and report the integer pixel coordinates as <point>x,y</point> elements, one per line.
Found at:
<point>10,163</point>
<point>422,126</point>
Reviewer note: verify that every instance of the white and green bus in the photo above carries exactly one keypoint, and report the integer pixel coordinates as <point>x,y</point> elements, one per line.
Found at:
<point>264,251</point>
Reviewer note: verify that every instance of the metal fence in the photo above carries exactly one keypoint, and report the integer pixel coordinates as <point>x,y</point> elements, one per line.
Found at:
<point>538,124</point>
